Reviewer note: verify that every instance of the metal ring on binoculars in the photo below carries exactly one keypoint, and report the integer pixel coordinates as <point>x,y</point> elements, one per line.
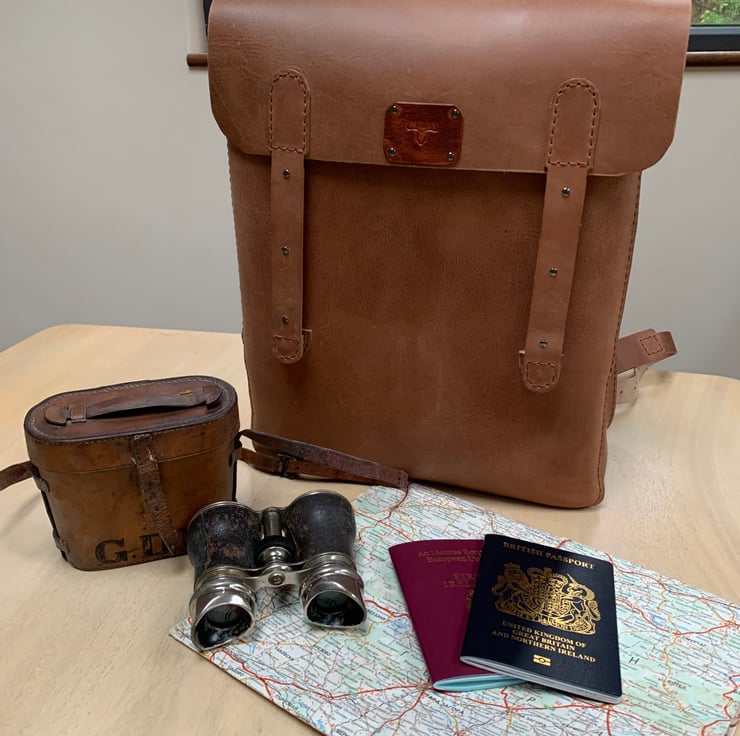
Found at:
<point>331,593</point>
<point>222,609</point>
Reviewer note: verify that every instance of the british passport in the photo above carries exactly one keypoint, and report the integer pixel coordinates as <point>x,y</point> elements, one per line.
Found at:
<point>545,615</point>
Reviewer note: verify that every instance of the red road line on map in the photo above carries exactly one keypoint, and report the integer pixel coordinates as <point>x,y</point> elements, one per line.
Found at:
<point>329,696</point>
<point>627,604</point>
<point>372,691</point>
<point>574,706</point>
<point>388,611</point>
<point>383,522</point>
<point>521,709</point>
<point>713,723</point>
<point>400,716</point>
<point>706,599</point>
<point>676,634</point>
<point>728,693</point>
<point>264,680</point>
<point>395,506</point>
<point>706,631</point>
<point>608,722</point>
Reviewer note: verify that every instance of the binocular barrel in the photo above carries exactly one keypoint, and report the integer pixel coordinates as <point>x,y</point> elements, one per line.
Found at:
<point>323,527</point>
<point>221,542</point>
<point>235,551</point>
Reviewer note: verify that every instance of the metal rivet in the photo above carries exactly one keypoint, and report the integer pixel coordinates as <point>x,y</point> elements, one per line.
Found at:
<point>391,152</point>
<point>276,578</point>
<point>285,319</point>
<point>394,109</point>
<point>455,113</point>
<point>285,250</point>
<point>450,156</point>
<point>543,344</point>
<point>553,272</point>
<point>566,192</point>
<point>286,174</point>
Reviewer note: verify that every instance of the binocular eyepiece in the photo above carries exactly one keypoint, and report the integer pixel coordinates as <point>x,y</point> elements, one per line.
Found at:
<point>235,551</point>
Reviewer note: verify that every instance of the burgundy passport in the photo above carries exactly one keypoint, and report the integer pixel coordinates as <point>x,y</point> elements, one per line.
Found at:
<point>437,578</point>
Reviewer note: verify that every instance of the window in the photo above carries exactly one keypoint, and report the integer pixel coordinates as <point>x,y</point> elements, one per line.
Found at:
<point>715,26</point>
<point>715,33</point>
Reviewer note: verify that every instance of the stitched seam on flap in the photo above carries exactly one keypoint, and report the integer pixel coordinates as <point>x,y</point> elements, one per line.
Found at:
<point>548,364</point>
<point>302,82</point>
<point>571,84</point>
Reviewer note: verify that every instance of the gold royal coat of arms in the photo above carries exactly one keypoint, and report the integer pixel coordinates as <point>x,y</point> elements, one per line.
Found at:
<point>547,598</point>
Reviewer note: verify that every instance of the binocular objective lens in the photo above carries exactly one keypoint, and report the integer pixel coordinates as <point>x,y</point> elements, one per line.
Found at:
<point>221,624</point>
<point>334,608</point>
<point>225,617</point>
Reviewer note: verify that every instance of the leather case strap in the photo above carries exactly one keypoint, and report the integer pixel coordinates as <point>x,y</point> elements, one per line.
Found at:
<point>288,119</point>
<point>290,457</point>
<point>15,474</point>
<point>150,485</point>
<point>575,116</point>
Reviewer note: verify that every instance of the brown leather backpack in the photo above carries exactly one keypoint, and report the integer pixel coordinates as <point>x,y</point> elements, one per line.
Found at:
<point>435,209</point>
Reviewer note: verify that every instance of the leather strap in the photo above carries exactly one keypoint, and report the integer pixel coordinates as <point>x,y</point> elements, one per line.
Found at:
<point>15,474</point>
<point>62,413</point>
<point>288,144</point>
<point>293,458</point>
<point>575,116</point>
<point>635,354</point>
<point>150,485</point>
<point>644,348</point>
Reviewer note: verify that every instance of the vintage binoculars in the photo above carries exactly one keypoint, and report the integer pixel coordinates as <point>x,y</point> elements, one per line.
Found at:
<point>236,551</point>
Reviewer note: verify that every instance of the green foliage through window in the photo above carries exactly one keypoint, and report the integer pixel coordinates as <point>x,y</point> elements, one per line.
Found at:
<point>715,12</point>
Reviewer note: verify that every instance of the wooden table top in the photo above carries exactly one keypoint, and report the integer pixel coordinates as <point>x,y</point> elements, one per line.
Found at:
<point>89,652</point>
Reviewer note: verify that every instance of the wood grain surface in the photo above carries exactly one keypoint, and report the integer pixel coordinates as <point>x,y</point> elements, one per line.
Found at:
<point>89,652</point>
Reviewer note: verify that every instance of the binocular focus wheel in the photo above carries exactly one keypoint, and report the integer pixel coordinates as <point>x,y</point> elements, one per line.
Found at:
<point>275,541</point>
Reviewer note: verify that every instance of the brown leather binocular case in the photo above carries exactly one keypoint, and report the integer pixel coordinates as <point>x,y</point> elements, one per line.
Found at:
<point>122,469</point>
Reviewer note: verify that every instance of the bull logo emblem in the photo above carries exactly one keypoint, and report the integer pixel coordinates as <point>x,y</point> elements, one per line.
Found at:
<point>421,130</point>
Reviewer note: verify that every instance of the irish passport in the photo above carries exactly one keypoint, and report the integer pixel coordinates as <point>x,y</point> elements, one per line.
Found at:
<point>437,578</point>
<point>545,615</point>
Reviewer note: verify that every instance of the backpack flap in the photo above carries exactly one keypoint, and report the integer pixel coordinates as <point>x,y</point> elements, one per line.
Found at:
<point>500,63</point>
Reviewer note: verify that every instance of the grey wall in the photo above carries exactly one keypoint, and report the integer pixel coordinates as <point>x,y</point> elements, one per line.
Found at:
<point>114,200</point>
<point>114,191</point>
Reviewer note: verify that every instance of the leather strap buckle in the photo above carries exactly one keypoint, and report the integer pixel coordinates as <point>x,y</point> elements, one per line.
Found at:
<point>283,464</point>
